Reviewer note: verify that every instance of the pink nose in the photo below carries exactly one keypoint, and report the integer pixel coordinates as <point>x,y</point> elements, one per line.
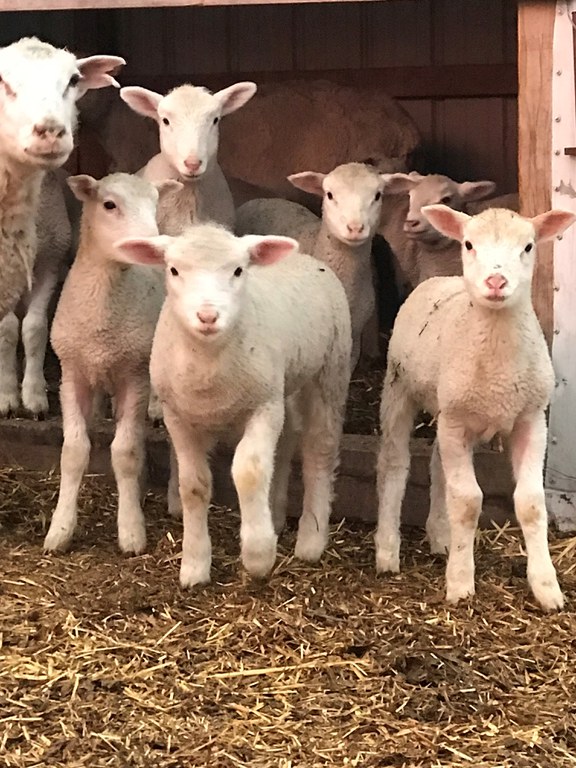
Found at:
<point>192,164</point>
<point>207,316</point>
<point>411,223</point>
<point>496,282</point>
<point>355,228</point>
<point>49,130</point>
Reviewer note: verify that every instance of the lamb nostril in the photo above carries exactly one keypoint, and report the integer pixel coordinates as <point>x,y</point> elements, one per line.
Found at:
<point>207,316</point>
<point>412,223</point>
<point>355,228</point>
<point>192,164</point>
<point>496,282</point>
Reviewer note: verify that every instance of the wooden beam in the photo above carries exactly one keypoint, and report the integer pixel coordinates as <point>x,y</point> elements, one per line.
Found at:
<point>76,5</point>
<point>535,39</point>
<point>434,82</point>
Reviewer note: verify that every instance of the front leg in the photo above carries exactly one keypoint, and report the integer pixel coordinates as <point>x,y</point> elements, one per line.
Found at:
<point>528,448</point>
<point>252,470</point>
<point>463,502</point>
<point>9,333</point>
<point>191,450</point>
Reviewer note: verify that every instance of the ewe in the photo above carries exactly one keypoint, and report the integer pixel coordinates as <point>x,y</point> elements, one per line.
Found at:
<point>102,333</point>
<point>470,351</point>
<point>252,350</point>
<point>39,86</point>
<point>351,202</point>
<point>188,120</point>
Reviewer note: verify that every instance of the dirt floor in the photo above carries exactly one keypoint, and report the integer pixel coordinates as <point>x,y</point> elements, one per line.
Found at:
<point>105,661</point>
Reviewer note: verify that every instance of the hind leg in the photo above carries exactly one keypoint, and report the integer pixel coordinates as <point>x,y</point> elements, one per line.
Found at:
<point>397,412</point>
<point>287,445</point>
<point>320,455</point>
<point>437,524</point>
<point>9,334</point>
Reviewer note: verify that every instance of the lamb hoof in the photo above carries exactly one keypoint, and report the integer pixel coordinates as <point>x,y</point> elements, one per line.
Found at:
<point>57,539</point>
<point>9,403</point>
<point>194,573</point>
<point>548,593</point>
<point>35,401</point>
<point>387,561</point>
<point>258,557</point>
<point>132,541</point>
<point>310,547</point>
<point>439,541</point>
<point>459,592</point>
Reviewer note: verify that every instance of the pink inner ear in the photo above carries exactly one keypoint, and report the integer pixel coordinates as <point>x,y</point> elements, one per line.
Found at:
<point>269,251</point>
<point>139,252</point>
<point>552,223</point>
<point>445,220</point>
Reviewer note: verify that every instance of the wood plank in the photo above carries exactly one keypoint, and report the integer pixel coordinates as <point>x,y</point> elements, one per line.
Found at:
<point>327,37</point>
<point>397,34</point>
<point>62,5</point>
<point>198,40</point>
<point>535,39</point>
<point>468,81</point>
<point>468,32</point>
<point>260,38</point>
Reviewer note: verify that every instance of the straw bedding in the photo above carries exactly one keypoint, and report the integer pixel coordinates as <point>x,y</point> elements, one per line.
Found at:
<point>105,661</point>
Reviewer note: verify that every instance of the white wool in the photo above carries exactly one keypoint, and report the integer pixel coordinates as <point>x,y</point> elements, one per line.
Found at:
<point>351,202</point>
<point>102,333</point>
<point>470,351</point>
<point>188,119</point>
<point>244,350</point>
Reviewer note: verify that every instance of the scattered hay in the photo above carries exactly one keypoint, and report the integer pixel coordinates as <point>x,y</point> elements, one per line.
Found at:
<point>104,661</point>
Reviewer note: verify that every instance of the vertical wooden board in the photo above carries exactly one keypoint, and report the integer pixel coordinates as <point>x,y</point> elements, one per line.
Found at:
<point>261,38</point>
<point>510,183</point>
<point>470,135</point>
<point>468,31</point>
<point>198,40</point>
<point>53,28</point>
<point>535,38</point>
<point>510,31</point>
<point>142,40</point>
<point>397,33</point>
<point>422,112</point>
<point>95,31</point>
<point>328,36</point>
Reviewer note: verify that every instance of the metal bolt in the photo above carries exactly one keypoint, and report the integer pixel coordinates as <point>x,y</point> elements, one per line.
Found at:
<point>556,152</point>
<point>556,288</point>
<point>557,119</point>
<point>560,237</point>
<point>556,189</point>
<point>554,440</point>
<point>551,481</point>
<point>556,332</point>
<point>558,71</point>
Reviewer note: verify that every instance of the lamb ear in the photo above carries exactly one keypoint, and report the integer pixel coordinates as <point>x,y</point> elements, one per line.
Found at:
<point>167,185</point>
<point>235,96</point>
<point>83,186</point>
<point>446,220</point>
<point>149,251</point>
<point>308,181</point>
<point>97,72</point>
<point>476,190</point>
<point>141,100</point>
<point>268,249</point>
<point>398,183</point>
<point>551,224</point>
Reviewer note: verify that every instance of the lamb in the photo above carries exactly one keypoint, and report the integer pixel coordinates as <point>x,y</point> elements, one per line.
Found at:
<point>351,202</point>
<point>39,86</point>
<point>102,333</point>
<point>188,120</point>
<point>247,347</point>
<point>470,351</point>
<point>419,251</point>
<point>54,237</point>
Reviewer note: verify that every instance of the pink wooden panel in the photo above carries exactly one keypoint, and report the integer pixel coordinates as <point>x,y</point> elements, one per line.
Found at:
<point>261,38</point>
<point>397,33</point>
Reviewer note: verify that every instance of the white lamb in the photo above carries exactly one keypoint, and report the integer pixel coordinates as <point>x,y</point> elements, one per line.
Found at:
<point>102,333</point>
<point>470,351</point>
<point>351,202</point>
<point>419,251</point>
<point>39,86</point>
<point>245,348</point>
<point>188,121</point>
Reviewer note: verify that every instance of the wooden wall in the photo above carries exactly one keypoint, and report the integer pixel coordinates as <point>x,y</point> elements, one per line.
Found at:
<point>452,63</point>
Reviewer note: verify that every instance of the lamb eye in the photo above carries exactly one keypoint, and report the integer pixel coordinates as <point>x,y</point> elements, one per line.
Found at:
<point>377,196</point>
<point>109,205</point>
<point>446,201</point>
<point>165,121</point>
<point>74,80</point>
<point>215,120</point>
<point>468,245</point>
<point>174,271</point>
<point>238,271</point>
<point>329,195</point>
<point>528,248</point>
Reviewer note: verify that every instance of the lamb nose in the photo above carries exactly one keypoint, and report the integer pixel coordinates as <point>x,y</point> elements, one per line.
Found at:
<point>207,316</point>
<point>497,282</point>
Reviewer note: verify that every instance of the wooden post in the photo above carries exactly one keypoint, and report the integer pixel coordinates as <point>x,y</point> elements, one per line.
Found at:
<point>535,39</point>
